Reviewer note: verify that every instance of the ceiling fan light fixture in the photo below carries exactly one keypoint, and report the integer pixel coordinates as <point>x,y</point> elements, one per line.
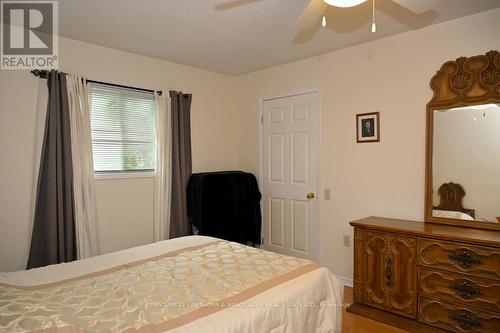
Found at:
<point>344,3</point>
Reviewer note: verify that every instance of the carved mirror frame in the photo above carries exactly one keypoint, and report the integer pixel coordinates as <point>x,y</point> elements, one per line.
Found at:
<point>463,82</point>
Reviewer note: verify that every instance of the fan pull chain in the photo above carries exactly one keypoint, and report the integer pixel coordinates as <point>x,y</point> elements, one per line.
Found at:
<point>374,26</point>
<point>323,20</point>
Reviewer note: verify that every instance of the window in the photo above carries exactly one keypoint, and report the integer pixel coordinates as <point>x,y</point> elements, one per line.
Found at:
<point>123,129</point>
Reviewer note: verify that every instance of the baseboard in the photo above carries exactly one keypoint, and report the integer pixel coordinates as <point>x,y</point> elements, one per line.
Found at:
<point>347,282</point>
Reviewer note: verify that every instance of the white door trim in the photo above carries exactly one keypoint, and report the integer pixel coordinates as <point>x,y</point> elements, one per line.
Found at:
<point>262,99</point>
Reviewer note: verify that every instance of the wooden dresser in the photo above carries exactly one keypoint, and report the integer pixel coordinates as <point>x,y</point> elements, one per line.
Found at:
<point>426,277</point>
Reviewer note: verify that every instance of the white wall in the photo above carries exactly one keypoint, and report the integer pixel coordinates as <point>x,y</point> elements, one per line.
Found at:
<point>125,207</point>
<point>390,75</point>
<point>467,152</point>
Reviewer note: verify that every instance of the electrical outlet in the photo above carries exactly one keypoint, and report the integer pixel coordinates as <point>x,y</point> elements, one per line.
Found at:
<point>347,240</point>
<point>327,194</point>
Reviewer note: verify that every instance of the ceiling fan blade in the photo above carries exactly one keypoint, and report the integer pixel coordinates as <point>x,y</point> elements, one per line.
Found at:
<point>234,3</point>
<point>310,15</point>
<point>417,6</point>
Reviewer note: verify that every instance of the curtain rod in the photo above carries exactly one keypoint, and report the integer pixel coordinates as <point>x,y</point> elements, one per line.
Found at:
<point>44,74</point>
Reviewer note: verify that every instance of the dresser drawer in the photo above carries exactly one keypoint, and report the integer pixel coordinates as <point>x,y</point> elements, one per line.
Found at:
<point>458,257</point>
<point>464,289</point>
<point>456,318</point>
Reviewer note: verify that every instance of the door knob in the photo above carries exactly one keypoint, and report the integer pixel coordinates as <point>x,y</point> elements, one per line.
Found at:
<point>310,195</point>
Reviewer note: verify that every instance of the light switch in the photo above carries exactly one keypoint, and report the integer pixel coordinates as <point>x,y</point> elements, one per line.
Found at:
<point>327,194</point>
<point>347,240</point>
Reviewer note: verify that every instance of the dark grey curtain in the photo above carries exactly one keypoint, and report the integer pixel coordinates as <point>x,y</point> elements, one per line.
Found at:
<point>181,162</point>
<point>53,240</point>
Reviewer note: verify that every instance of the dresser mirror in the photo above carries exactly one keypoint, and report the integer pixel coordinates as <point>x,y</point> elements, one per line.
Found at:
<point>463,143</point>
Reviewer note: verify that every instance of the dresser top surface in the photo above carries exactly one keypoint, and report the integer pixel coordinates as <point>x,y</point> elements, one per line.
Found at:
<point>441,231</point>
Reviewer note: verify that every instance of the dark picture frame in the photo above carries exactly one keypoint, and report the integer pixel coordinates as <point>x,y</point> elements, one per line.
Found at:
<point>368,127</point>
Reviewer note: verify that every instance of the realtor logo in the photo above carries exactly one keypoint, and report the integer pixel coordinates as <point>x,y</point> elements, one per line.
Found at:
<point>29,34</point>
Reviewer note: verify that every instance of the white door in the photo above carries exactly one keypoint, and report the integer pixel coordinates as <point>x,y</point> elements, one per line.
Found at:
<point>290,144</point>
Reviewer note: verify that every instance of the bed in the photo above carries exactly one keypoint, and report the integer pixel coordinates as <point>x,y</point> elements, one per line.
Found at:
<point>189,284</point>
<point>451,196</point>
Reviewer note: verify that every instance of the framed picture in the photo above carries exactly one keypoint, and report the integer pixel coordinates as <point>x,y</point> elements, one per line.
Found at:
<point>368,127</point>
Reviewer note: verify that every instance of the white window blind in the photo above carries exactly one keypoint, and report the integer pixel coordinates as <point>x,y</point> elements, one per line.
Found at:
<point>123,129</point>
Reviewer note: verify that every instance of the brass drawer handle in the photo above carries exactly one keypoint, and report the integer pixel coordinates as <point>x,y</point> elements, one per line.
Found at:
<point>465,259</point>
<point>465,320</point>
<point>465,289</point>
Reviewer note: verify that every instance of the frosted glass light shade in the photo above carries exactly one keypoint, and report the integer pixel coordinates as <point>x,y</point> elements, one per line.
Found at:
<point>344,3</point>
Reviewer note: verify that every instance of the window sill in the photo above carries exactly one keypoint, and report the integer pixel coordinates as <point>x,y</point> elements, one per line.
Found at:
<point>124,175</point>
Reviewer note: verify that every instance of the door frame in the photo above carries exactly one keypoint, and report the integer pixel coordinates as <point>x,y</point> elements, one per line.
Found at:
<point>319,196</point>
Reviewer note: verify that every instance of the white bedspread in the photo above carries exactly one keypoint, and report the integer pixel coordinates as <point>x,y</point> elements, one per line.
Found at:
<point>311,302</point>
<point>449,214</point>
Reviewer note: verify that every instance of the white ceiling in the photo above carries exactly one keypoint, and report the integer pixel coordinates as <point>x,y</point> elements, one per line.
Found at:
<point>251,35</point>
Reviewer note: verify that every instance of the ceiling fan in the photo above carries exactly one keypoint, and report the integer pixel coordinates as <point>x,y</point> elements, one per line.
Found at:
<point>316,9</point>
